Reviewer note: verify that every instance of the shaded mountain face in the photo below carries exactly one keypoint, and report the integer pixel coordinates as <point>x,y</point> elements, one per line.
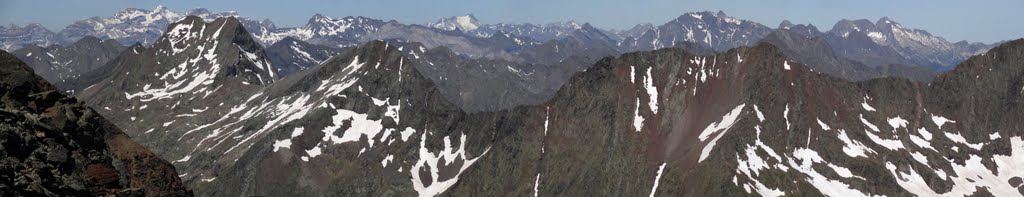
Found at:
<point>635,32</point>
<point>64,67</point>
<point>486,84</point>
<point>53,145</point>
<point>815,52</point>
<point>489,84</point>
<point>292,55</point>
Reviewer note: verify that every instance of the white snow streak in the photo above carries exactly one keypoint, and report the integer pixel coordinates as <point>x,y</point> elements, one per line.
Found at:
<point>727,121</point>
<point>657,178</point>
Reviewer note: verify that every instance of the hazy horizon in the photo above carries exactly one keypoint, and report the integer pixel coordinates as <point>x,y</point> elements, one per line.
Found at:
<point>990,21</point>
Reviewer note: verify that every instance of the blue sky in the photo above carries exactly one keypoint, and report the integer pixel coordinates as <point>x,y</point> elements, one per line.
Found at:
<point>984,21</point>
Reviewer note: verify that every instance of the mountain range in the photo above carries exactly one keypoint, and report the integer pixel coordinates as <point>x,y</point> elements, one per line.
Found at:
<point>881,43</point>
<point>371,121</point>
<point>703,105</point>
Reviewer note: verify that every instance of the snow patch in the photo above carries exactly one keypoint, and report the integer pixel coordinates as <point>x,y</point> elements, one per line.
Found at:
<point>868,124</point>
<point>727,121</point>
<point>384,163</point>
<point>956,137</point>
<point>939,120</point>
<point>657,178</point>
<point>651,91</point>
<point>536,185</point>
<point>823,125</point>
<point>970,176</point>
<point>638,121</point>
<point>853,148</point>
<point>760,116</point>
<point>287,143</point>
<point>890,144</point>
<point>897,123</point>
<point>825,185</point>
<point>866,106</point>
<point>429,162</point>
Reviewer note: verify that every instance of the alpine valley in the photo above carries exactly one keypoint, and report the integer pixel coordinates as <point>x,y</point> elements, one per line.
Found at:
<point>165,103</point>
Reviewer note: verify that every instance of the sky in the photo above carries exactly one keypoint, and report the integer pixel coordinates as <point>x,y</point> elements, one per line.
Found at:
<point>976,21</point>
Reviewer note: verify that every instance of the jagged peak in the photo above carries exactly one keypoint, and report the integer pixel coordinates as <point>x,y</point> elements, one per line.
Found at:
<point>884,20</point>
<point>319,16</point>
<point>785,24</point>
<point>698,15</point>
<point>318,19</point>
<point>587,27</point>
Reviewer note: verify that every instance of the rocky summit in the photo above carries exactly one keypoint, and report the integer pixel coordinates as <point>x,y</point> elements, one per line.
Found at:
<point>53,145</point>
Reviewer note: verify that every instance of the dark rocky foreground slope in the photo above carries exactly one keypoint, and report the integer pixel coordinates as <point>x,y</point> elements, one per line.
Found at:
<point>744,122</point>
<point>53,145</point>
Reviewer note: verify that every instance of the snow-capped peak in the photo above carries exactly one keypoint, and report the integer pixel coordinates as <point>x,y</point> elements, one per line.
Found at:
<point>468,22</point>
<point>464,23</point>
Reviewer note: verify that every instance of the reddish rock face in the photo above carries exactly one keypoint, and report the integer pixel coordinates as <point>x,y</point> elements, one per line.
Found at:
<point>101,174</point>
